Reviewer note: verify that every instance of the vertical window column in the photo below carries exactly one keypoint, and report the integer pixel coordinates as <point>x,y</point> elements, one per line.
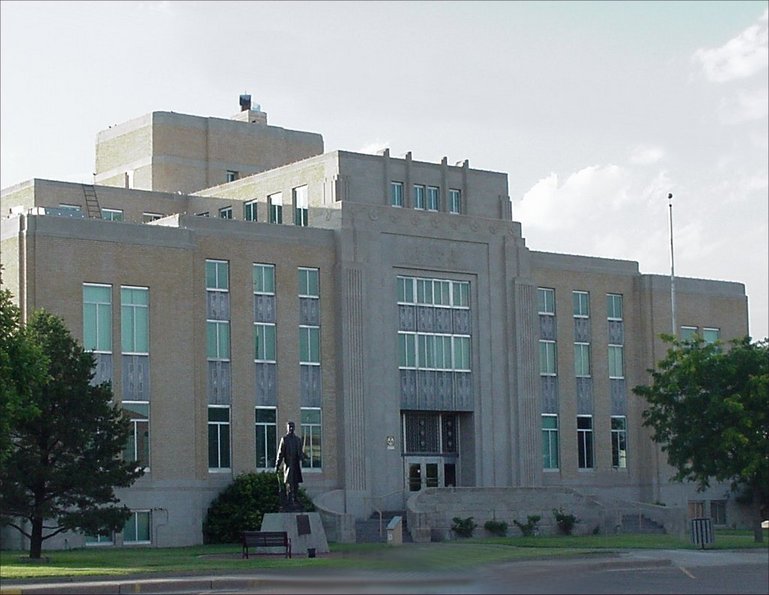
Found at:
<point>218,359</point>
<point>265,364</point>
<point>134,341</point>
<point>310,363</point>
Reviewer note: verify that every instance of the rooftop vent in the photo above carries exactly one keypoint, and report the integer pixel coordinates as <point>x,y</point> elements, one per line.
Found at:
<point>245,103</point>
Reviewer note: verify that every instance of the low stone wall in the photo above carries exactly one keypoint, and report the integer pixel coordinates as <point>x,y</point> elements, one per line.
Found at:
<point>430,512</point>
<point>339,526</point>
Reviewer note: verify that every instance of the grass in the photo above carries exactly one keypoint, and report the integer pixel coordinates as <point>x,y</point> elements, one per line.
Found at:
<point>449,555</point>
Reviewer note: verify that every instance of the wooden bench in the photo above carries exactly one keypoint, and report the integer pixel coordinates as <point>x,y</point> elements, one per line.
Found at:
<point>259,539</point>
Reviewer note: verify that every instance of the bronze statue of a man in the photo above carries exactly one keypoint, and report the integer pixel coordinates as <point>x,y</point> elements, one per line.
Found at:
<point>291,455</point>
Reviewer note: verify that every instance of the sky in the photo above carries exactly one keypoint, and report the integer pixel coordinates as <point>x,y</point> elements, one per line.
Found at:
<point>595,110</point>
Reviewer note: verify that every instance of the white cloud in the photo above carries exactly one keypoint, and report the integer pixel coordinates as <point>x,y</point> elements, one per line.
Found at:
<point>646,154</point>
<point>163,7</point>
<point>583,195</point>
<point>745,106</point>
<point>740,57</point>
<point>374,147</point>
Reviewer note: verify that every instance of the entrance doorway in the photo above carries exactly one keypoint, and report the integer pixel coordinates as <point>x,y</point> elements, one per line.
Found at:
<point>430,472</point>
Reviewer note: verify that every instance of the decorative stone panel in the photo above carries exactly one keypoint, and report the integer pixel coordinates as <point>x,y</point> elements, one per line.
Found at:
<point>136,377</point>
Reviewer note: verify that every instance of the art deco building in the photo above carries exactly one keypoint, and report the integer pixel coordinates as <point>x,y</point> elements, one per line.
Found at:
<point>230,275</point>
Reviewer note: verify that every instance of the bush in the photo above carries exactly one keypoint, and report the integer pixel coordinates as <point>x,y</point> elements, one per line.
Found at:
<point>463,527</point>
<point>496,527</point>
<point>529,528</point>
<point>241,506</point>
<point>564,521</point>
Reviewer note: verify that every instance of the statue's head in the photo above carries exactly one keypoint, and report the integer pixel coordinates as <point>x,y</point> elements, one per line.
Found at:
<point>290,427</point>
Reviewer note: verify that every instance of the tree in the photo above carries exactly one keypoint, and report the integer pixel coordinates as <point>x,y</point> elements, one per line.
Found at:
<point>65,458</point>
<point>20,364</point>
<point>709,408</point>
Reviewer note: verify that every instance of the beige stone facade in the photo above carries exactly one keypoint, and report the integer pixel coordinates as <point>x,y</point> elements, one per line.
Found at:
<point>428,315</point>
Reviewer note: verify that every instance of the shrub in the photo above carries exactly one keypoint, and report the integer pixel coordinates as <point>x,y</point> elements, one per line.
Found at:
<point>463,527</point>
<point>529,528</point>
<point>496,527</point>
<point>564,521</point>
<point>241,506</point>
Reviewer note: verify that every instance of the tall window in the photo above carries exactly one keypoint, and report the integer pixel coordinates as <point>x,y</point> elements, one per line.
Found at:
<point>309,345</point>
<point>275,202</point>
<point>688,332</point>
<point>112,214</point>
<point>619,441</point>
<point>581,302</point>
<point>266,437</point>
<point>396,194</point>
<point>137,528</point>
<point>433,198</point>
<point>711,335</point>
<point>582,360</point>
<point>585,441</point>
<point>309,283</point>
<point>218,438</point>
<point>301,206</point>
<point>97,318</point>
<point>549,441</point>
<point>138,445</point>
<point>218,340</point>
<point>264,279</point>
<point>455,201</point>
<point>614,306</point>
<point>419,196</point>
<point>249,210</point>
<point>616,361</point>
<point>264,342</point>
<point>312,437</point>
<point>547,358</point>
<point>546,301</point>
<point>134,320</point>
<point>217,275</point>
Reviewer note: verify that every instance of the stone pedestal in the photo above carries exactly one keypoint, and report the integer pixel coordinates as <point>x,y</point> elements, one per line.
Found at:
<point>305,530</point>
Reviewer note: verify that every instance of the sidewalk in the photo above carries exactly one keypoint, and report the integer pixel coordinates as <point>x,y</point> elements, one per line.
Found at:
<point>323,580</point>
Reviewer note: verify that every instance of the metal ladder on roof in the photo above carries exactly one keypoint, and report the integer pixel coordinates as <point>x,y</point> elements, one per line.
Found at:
<point>91,202</point>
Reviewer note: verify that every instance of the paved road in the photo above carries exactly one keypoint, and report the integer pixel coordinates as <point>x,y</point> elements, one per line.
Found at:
<point>633,571</point>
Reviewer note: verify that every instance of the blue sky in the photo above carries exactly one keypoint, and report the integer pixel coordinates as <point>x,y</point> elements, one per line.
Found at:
<point>596,110</point>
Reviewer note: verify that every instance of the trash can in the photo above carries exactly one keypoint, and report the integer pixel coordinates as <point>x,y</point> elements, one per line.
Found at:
<point>702,532</point>
<point>310,552</point>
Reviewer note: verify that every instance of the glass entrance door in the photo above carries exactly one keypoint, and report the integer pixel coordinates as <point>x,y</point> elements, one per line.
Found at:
<point>429,472</point>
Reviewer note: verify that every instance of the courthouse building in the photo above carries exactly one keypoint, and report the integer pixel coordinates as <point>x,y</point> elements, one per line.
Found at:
<point>230,275</point>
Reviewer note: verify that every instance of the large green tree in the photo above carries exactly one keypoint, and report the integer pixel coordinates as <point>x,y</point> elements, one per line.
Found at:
<point>20,364</point>
<point>65,458</point>
<point>709,409</point>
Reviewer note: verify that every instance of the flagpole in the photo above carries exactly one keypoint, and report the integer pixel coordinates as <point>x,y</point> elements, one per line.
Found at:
<point>672,269</point>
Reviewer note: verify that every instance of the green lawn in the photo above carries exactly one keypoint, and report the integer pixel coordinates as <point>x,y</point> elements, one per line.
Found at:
<point>462,553</point>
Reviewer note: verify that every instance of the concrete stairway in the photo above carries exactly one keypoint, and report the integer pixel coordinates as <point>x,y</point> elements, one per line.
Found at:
<point>367,531</point>
<point>638,523</point>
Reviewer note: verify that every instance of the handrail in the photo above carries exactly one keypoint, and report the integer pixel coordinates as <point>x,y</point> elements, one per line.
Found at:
<point>379,510</point>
